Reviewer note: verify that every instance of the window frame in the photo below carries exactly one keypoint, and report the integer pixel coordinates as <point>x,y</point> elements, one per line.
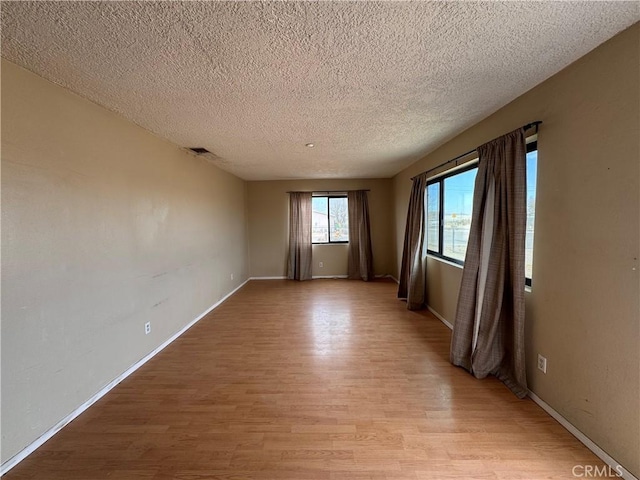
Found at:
<point>440,178</point>
<point>330,242</point>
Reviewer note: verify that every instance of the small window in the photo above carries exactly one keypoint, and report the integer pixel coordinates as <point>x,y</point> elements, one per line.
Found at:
<point>532,179</point>
<point>433,217</point>
<point>449,205</point>
<point>329,219</point>
<point>458,207</point>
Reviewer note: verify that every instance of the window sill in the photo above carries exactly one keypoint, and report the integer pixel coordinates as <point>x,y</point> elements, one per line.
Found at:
<point>527,288</point>
<point>443,260</point>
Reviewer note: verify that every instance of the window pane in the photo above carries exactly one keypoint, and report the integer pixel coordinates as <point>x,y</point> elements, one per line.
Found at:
<point>319,220</point>
<point>433,217</point>
<point>532,174</point>
<point>338,219</point>
<point>458,204</point>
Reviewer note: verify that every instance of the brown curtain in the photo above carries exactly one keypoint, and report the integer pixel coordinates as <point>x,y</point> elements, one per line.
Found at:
<point>299,264</point>
<point>413,269</point>
<point>360,254</point>
<point>488,333</point>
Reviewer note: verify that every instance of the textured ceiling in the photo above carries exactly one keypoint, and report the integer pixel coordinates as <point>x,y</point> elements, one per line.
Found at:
<point>374,85</point>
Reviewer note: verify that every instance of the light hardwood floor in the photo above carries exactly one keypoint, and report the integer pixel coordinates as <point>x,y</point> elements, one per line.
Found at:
<point>329,379</point>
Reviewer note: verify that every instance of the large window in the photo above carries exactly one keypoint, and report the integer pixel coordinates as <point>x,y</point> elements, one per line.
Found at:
<point>449,203</point>
<point>329,219</point>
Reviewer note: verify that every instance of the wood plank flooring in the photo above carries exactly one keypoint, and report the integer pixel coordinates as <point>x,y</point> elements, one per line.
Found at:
<point>321,380</point>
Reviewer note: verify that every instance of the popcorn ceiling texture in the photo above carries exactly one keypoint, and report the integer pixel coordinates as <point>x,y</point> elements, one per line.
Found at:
<point>374,85</point>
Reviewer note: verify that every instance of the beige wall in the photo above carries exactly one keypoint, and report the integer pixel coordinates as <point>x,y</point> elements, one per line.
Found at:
<point>104,227</point>
<point>583,310</point>
<point>269,226</point>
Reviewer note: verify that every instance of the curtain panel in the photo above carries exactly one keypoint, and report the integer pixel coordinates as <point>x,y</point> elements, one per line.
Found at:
<point>413,269</point>
<point>299,262</point>
<point>488,333</point>
<point>360,263</point>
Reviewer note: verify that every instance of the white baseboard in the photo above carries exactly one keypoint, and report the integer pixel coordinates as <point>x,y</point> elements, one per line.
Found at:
<point>393,278</point>
<point>321,276</point>
<point>318,276</point>
<point>25,452</point>
<point>284,278</point>
<point>440,317</point>
<point>616,468</point>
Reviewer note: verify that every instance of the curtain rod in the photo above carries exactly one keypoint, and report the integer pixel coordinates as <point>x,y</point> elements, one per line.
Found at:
<point>330,191</point>
<point>525,127</point>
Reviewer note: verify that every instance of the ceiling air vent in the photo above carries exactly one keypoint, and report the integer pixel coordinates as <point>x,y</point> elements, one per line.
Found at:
<point>199,150</point>
<point>207,155</point>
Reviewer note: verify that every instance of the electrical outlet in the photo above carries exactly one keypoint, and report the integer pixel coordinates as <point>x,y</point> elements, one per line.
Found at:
<point>147,328</point>
<point>542,363</point>
<point>232,276</point>
<point>321,264</point>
